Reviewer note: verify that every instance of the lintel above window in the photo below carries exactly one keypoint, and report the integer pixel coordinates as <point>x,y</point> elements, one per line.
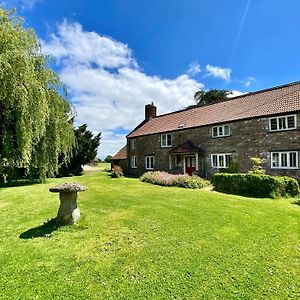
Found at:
<point>283,123</point>
<point>166,140</point>
<point>220,131</point>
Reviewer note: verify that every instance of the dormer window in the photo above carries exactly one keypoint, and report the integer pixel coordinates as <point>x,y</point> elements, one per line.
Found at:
<point>166,140</point>
<point>220,131</point>
<point>283,123</point>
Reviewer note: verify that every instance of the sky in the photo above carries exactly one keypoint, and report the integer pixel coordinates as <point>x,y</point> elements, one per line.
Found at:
<point>115,56</point>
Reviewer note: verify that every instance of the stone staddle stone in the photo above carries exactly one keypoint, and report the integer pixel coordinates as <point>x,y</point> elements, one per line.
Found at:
<point>68,212</point>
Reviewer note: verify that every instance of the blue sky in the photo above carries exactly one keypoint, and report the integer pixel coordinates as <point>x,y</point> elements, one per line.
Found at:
<point>117,55</point>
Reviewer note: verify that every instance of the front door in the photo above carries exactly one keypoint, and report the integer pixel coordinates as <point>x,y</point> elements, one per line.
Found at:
<point>190,164</point>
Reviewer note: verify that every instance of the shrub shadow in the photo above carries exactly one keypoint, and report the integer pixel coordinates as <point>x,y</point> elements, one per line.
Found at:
<point>297,202</point>
<point>44,230</point>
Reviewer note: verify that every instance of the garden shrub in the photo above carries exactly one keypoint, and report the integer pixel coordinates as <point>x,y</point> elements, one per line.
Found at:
<point>291,186</point>
<point>256,185</point>
<point>233,167</point>
<point>257,167</point>
<point>116,172</point>
<point>166,179</point>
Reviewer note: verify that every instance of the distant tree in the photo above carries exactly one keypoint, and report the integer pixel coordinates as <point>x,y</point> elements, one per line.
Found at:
<point>35,125</point>
<point>86,145</point>
<point>211,96</point>
<point>108,158</point>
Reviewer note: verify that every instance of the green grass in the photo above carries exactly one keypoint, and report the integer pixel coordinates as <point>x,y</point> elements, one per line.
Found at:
<point>104,166</point>
<point>140,241</point>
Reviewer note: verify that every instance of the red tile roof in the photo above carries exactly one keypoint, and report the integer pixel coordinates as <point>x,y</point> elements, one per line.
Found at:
<point>122,154</point>
<point>186,147</point>
<point>277,100</point>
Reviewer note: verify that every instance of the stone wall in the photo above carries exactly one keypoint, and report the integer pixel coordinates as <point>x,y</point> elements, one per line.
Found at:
<point>248,138</point>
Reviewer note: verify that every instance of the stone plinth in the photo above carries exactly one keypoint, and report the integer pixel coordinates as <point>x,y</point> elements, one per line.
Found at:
<point>68,212</point>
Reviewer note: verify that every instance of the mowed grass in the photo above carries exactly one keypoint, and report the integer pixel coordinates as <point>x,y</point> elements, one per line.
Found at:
<point>140,241</point>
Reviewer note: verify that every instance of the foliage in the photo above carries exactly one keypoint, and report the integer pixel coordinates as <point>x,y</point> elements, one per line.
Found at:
<point>166,179</point>
<point>85,149</point>
<point>256,163</point>
<point>211,96</point>
<point>143,241</point>
<point>35,126</point>
<point>108,158</point>
<point>256,185</point>
<point>234,167</point>
<point>116,172</point>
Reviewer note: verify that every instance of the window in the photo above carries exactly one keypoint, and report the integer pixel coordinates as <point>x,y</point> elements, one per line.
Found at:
<point>149,162</point>
<point>166,140</point>
<point>284,160</point>
<point>220,160</point>
<point>134,162</point>
<point>132,144</point>
<point>283,123</point>
<point>219,131</point>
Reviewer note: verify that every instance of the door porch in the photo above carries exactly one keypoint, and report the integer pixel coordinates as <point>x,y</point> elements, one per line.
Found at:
<point>184,159</point>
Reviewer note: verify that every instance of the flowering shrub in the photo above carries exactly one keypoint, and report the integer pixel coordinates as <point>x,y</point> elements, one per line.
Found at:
<point>116,172</point>
<point>166,179</point>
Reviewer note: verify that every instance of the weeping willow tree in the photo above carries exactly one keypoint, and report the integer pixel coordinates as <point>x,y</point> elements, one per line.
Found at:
<point>35,124</point>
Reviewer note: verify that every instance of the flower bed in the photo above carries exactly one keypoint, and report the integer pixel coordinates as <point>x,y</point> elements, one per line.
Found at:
<point>166,179</point>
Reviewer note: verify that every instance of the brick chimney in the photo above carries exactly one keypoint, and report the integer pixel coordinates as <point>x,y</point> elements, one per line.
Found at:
<point>150,111</point>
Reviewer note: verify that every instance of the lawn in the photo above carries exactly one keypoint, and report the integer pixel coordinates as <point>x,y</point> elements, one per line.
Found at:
<point>140,241</point>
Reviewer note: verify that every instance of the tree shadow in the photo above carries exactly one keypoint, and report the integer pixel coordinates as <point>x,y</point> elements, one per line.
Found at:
<point>297,202</point>
<point>44,230</point>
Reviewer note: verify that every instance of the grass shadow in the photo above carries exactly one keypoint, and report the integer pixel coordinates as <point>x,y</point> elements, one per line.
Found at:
<point>44,230</point>
<point>18,183</point>
<point>296,202</point>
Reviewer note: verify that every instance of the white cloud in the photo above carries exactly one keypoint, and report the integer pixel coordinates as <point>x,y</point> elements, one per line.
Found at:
<point>217,72</point>
<point>107,86</point>
<point>194,69</point>
<point>235,93</point>
<point>22,4</point>
<point>248,81</point>
<point>81,47</point>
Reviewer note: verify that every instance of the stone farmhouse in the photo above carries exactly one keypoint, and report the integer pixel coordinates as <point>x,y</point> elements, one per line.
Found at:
<point>203,139</point>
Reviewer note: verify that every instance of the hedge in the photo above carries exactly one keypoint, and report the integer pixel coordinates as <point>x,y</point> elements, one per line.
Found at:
<point>256,185</point>
<point>166,179</point>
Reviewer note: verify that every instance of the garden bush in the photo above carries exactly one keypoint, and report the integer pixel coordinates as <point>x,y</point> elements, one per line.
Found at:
<point>256,185</point>
<point>116,172</point>
<point>166,179</point>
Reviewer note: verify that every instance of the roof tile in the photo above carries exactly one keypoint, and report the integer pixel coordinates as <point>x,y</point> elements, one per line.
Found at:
<point>277,100</point>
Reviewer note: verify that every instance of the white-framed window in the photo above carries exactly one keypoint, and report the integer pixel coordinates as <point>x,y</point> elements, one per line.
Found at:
<point>132,144</point>
<point>133,162</point>
<point>149,162</point>
<point>219,131</point>
<point>166,140</point>
<point>284,160</point>
<point>220,161</point>
<point>283,123</point>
